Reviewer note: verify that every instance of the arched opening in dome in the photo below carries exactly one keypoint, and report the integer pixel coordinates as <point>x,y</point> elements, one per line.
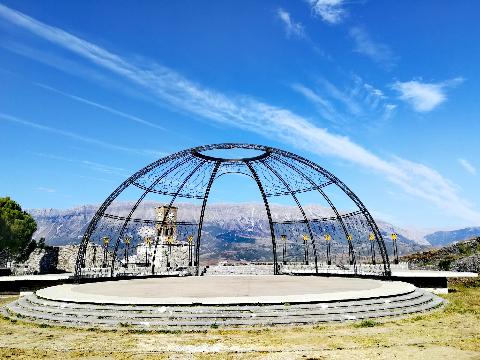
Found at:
<point>236,154</point>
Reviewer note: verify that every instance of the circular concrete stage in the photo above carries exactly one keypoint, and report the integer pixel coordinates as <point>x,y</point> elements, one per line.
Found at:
<point>220,301</point>
<point>222,290</point>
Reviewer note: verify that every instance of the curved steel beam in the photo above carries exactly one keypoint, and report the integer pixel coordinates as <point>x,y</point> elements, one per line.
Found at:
<point>355,199</point>
<point>170,206</point>
<point>269,215</point>
<point>108,201</point>
<point>202,213</point>
<point>330,203</point>
<point>310,232</point>
<point>132,210</point>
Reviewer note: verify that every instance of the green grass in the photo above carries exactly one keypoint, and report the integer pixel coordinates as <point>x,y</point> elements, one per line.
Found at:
<point>366,323</point>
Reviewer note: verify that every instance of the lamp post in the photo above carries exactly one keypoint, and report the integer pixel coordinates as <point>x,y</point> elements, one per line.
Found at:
<point>148,243</point>
<point>190,252</point>
<point>371,237</point>
<point>127,240</point>
<point>350,249</point>
<point>106,241</point>
<point>94,257</point>
<point>305,246</point>
<point>169,244</point>
<point>284,250</point>
<point>328,238</point>
<point>395,249</point>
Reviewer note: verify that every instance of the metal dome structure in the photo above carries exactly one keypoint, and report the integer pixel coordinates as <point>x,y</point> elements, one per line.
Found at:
<point>342,238</point>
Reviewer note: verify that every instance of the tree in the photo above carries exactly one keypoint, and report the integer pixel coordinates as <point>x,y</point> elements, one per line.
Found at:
<point>16,227</point>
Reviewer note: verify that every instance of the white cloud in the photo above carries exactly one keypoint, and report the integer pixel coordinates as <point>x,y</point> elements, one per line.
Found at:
<point>468,166</point>
<point>424,97</point>
<point>252,115</point>
<point>331,11</point>
<point>292,28</point>
<point>45,189</point>
<point>364,44</point>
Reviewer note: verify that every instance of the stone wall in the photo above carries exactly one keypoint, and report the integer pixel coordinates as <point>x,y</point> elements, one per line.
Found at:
<point>40,261</point>
<point>67,256</point>
<point>63,259</point>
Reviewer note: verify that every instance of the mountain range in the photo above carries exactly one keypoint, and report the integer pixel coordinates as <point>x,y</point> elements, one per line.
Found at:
<point>229,228</point>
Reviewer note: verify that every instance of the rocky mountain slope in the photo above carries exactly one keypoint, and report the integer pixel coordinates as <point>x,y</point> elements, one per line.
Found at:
<point>461,256</point>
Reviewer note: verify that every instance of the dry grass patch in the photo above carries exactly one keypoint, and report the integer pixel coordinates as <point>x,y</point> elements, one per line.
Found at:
<point>450,333</point>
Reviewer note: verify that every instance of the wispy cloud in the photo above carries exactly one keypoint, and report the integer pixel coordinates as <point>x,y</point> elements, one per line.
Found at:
<point>330,11</point>
<point>73,67</point>
<point>424,97</point>
<point>252,115</point>
<point>467,165</point>
<point>358,100</point>
<point>102,107</point>
<point>92,165</point>
<point>292,28</point>
<point>325,108</point>
<point>72,135</point>
<point>46,189</point>
<point>365,45</point>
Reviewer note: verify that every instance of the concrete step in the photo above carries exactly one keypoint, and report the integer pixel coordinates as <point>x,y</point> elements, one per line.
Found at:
<point>35,309</point>
<point>213,312</point>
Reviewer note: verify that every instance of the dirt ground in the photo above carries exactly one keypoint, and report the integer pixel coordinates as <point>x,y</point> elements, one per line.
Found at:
<point>450,333</point>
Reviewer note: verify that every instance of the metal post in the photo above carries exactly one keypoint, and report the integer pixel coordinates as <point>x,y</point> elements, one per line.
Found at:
<point>101,211</point>
<point>372,248</point>
<point>395,249</point>
<point>305,248</point>
<point>106,241</point>
<point>351,255</point>
<point>128,218</point>
<point>309,229</point>
<point>190,253</point>
<point>94,259</point>
<point>354,198</point>
<point>351,251</point>
<point>269,215</point>
<point>328,239</point>
<point>169,207</point>
<point>202,214</point>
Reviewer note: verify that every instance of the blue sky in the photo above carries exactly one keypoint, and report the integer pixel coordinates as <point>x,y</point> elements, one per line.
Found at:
<point>384,94</point>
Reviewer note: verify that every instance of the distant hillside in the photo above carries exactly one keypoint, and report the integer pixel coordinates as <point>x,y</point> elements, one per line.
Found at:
<point>231,231</point>
<point>442,238</point>
<point>461,256</point>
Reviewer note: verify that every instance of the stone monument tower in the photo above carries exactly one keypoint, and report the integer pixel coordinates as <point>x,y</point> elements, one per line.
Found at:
<point>166,224</point>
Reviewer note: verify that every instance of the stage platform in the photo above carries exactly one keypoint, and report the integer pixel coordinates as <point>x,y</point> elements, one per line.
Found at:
<point>219,290</point>
<point>231,301</point>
